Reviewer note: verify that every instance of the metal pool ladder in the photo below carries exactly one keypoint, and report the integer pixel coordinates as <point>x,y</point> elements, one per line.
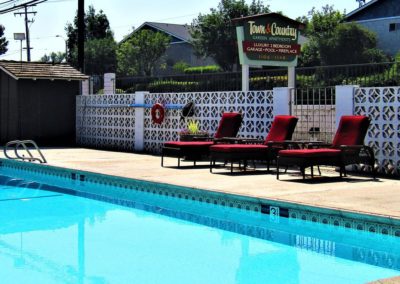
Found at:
<point>18,145</point>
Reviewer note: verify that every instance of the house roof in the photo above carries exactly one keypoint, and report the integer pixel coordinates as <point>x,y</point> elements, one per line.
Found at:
<point>40,70</point>
<point>362,8</point>
<point>181,32</point>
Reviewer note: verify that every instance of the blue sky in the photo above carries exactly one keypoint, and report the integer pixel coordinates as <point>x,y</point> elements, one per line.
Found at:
<point>53,15</point>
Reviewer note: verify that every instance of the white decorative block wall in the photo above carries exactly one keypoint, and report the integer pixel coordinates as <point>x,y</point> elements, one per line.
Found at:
<point>105,121</point>
<point>256,106</point>
<point>382,105</point>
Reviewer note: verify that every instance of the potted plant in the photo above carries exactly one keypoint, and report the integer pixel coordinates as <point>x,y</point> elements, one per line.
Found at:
<point>192,132</point>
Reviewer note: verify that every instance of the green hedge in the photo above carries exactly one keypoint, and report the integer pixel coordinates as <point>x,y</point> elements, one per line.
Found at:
<point>203,69</point>
<point>172,86</point>
<point>117,91</point>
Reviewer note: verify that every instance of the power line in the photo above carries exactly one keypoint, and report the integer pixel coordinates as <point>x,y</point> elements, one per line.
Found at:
<point>20,6</point>
<point>7,2</point>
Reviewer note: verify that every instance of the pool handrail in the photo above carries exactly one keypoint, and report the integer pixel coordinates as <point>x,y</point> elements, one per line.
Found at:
<point>16,145</point>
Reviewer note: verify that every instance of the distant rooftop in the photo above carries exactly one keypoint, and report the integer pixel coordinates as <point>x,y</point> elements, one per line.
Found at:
<point>375,9</point>
<point>361,8</point>
<point>40,70</point>
<point>181,32</point>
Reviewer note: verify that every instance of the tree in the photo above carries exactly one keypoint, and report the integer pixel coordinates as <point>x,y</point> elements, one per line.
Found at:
<point>100,56</point>
<point>333,42</point>
<point>352,44</point>
<point>100,47</point>
<point>320,31</point>
<point>214,35</point>
<point>3,41</point>
<point>54,57</point>
<point>141,53</point>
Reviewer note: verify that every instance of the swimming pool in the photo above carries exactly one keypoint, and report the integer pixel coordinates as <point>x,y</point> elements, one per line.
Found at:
<point>54,230</point>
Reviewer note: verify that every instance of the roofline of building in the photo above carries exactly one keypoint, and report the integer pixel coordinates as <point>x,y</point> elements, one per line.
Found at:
<point>361,8</point>
<point>376,19</point>
<point>155,27</point>
<point>15,77</point>
<point>8,73</point>
<point>52,78</point>
<point>40,78</point>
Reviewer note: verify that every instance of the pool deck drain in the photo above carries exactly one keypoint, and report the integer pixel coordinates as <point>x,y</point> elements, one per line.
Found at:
<point>353,194</point>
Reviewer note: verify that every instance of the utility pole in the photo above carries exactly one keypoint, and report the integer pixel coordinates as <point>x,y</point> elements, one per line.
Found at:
<point>81,35</point>
<point>27,21</point>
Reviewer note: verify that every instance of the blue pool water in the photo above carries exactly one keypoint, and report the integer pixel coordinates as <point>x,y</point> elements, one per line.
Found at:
<point>49,236</point>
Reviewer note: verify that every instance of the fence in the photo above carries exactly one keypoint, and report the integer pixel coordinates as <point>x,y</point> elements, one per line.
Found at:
<point>382,105</point>
<point>111,122</point>
<point>105,122</point>
<point>316,110</point>
<point>376,74</point>
<point>256,107</point>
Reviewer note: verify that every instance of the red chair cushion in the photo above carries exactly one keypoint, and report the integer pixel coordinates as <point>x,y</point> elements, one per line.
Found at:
<point>351,130</point>
<point>282,128</point>
<point>310,153</point>
<point>239,148</point>
<point>188,144</point>
<point>229,125</point>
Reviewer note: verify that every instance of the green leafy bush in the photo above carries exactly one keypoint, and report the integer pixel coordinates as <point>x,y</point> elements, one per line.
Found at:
<point>203,69</point>
<point>117,91</point>
<point>172,86</point>
<point>180,66</point>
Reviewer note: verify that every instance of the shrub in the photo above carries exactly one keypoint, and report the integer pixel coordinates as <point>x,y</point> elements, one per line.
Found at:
<point>172,86</point>
<point>117,91</point>
<point>267,82</point>
<point>180,66</point>
<point>203,69</point>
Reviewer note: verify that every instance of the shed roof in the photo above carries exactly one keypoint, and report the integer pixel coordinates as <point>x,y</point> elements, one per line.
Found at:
<point>40,70</point>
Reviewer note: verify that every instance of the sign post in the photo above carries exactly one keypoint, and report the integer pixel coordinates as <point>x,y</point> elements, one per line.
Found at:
<point>20,37</point>
<point>245,78</point>
<point>268,40</point>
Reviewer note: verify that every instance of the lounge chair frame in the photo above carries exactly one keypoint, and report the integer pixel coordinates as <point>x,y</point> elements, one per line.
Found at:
<point>348,155</point>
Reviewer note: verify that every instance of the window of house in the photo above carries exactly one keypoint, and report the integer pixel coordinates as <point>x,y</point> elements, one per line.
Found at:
<point>394,27</point>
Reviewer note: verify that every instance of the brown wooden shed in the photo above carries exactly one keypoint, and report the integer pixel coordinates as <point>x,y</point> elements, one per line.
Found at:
<point>37,101</point>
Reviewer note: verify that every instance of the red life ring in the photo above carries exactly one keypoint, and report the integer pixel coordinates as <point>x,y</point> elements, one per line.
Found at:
<point>157,113</point>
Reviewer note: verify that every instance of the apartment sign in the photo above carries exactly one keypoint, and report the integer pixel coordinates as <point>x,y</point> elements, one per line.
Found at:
<point>269,40</point>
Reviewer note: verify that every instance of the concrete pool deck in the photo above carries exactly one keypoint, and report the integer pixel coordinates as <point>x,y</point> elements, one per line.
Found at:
<point>351,194</point>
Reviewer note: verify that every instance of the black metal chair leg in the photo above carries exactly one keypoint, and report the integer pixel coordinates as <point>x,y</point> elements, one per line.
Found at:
<point>162,160</point>
<point>179,162</point>
<point>277,170</point>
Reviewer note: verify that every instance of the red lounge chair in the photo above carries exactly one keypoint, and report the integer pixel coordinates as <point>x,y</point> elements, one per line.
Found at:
<point>195,150</point>
<point>281,131</point>
<point>347,149</point>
